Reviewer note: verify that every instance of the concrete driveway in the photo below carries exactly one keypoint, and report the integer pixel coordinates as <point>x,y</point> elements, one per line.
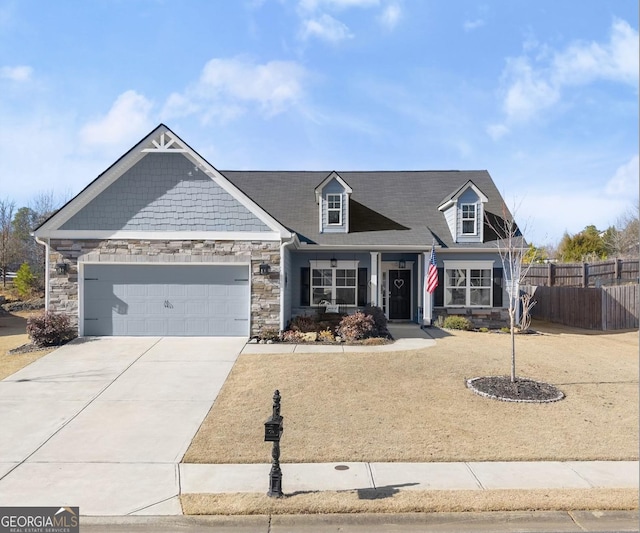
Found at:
<point>102,423</point>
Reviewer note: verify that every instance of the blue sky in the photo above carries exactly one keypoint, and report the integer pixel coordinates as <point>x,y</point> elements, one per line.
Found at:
<point>543,94</point>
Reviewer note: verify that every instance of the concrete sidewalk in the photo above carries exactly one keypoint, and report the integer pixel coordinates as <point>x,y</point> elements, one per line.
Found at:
<point>207,478</point>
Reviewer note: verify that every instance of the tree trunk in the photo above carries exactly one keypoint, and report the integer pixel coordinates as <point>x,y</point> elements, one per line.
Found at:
<point>512,318</point>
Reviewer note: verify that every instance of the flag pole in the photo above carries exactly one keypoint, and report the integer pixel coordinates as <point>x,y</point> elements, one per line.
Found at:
<point>430,284</point>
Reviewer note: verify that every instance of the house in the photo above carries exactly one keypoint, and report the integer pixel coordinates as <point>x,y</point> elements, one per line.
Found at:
<point>163,243</point>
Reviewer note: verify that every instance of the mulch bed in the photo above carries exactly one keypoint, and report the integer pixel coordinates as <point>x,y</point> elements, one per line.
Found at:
<point>521,390</point>
<point>27,348</point>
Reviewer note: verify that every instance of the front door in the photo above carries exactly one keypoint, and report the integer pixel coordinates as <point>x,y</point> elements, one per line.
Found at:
<point>399,294</point>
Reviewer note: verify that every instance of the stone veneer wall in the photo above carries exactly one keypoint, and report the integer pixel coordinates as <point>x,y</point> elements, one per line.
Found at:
<point>265,290</point>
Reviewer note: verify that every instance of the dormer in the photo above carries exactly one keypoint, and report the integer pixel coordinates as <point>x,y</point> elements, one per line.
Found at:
<point>332,197</point>
<point>464,212</point>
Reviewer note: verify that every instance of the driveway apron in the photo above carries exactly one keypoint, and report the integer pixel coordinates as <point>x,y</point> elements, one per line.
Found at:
<point>102,423</point>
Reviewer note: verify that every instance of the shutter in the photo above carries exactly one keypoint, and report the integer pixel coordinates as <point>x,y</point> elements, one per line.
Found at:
<point>305,286</point>
<point>363,285</point>
<point>438,294</point>
<point>497,287</point>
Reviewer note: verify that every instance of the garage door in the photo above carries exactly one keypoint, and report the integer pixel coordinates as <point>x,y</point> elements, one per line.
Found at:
<point>166,300</point>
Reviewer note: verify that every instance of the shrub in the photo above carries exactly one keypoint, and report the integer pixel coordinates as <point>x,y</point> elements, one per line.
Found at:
<point>291,336</point>
<point>50,329</point>
<point>457,322</point>
<point>326,336</point>
<point>357,326</point>
<point>25,281</point>
<point>304,323</point>
<point>379,320</point>
<point>269,334</point>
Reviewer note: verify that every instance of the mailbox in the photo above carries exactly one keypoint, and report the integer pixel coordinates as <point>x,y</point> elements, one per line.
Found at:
<point>273,429</point>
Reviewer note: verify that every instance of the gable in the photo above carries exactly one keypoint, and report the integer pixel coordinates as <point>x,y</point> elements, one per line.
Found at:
<point>161,188</point>
<point>165,192</point>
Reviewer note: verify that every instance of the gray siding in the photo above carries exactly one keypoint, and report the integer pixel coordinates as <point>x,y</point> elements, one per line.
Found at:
<point>450,216</point>
<point>165,192</point>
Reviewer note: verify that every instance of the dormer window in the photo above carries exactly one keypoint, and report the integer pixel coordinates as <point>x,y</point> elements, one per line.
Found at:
<point>332,197</point>
<point>334,209</point>
<point>469,219</point>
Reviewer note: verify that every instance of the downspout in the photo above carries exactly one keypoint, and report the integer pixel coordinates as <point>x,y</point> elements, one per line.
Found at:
<point>46,270</point>
<point>283,279</point>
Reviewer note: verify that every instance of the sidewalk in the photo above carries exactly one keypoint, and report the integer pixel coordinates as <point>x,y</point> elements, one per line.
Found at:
<point>211,478</point>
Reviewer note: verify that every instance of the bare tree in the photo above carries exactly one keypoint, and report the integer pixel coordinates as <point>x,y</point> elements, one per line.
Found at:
<point>6,241</point>
<point>623,240</point>
<point>513,249</point>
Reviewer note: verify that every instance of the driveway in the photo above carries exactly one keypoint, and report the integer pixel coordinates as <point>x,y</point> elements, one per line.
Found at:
<point>102,423</point>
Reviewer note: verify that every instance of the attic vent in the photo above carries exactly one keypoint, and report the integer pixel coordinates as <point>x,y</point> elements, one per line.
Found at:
<point>164,144</point>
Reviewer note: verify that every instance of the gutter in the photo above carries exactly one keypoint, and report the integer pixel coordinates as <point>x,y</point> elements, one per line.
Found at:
<point>283,246</point>
<point>46,270</point>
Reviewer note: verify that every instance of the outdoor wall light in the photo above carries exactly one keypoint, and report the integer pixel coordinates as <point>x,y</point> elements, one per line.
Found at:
<point>402,263</point>
<point>334,262</point>
<point>264,269</point>
<point>62,268</point>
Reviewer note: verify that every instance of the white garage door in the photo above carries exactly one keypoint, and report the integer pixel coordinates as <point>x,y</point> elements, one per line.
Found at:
<point>166,300</point>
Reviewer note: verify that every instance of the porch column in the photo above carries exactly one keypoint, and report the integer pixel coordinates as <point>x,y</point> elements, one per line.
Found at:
<point>420,291</point>
<point>427,313</point>
<point>375,293</point>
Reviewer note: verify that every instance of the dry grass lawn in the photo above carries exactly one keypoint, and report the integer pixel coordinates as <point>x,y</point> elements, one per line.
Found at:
<point>410,501</point>
<point>13,334</point>
<point>414,407</point>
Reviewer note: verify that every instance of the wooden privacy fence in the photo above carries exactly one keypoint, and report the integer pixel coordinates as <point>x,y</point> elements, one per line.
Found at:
<point>604,308</point>
<point>610,272</point>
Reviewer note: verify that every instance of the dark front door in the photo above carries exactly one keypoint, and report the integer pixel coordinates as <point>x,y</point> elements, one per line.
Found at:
<point>399,294</point>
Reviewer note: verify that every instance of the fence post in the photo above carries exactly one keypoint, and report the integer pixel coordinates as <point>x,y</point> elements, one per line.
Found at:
<point>549,274</point>
<point>616,269</point>
<point>585,274</point>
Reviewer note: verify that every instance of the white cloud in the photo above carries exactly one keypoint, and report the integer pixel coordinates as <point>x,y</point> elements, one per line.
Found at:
<point>21,73</point>
<point>470,25</point>
<point>496,131</point>
<point>528,93</point>
<point>228,88</point>
<point>127,120</point>
<point>390,16</point>
<point>313,5</point>
<point>325,27</point>
<point>616,60</point>
<point>534,85</point>
<point>625,180</point>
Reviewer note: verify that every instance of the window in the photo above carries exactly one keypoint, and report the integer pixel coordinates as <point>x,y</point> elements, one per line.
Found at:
<point>468,285</point>
<point>469,219</point>
<point>335,285</point>
<point>334,209</point>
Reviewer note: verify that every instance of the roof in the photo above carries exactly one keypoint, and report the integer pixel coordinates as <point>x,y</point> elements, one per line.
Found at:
<point>387,207</point>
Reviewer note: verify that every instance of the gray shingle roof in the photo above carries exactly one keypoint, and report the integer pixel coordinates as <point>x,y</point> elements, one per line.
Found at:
<point>387,207</point>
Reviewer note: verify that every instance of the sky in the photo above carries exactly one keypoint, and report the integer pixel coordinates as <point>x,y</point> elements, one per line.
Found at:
<point>543,94</point>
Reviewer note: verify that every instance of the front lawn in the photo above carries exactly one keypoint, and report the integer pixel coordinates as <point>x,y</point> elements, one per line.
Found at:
<point>413,406</point>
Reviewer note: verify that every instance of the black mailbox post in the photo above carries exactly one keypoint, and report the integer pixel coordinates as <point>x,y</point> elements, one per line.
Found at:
<point>272,433</point>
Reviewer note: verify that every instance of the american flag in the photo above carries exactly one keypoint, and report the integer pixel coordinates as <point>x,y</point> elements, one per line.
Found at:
<point>432,273</point>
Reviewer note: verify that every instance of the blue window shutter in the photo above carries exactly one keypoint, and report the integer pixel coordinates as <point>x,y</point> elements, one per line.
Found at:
<point>363,285</point>
<point>497,287</point>
<point>305,286</point>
